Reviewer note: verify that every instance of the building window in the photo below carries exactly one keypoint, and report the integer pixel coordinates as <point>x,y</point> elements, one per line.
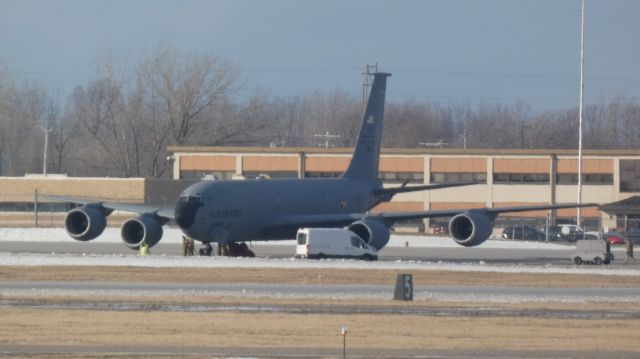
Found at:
<point>508,221</point>
<point>629,175</point>
<point>521,178</point>
<point>587,178</point>
<point>439,177</point>
<point>322,174</point>
<point>198,175</point>
<point>272,174</point>
<point>42,207</point>
<point>400,177</point>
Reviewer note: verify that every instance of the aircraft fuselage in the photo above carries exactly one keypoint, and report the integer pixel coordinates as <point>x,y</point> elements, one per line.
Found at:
<point>214,211</point>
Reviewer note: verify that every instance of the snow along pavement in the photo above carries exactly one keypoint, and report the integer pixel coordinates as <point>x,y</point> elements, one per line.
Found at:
<point>174,235</point>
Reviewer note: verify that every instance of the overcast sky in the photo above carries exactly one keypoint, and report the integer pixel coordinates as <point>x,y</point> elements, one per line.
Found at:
<point>445,50</point>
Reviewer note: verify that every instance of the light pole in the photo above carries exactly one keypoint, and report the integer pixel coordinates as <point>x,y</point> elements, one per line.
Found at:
<point>578,219</point>
<point>46,148</point>
<point>344,330</point>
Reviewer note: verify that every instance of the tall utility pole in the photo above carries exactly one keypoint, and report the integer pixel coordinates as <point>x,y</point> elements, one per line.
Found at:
<point>578,219</point>
<point>46,148</point>
<point>464,137</point>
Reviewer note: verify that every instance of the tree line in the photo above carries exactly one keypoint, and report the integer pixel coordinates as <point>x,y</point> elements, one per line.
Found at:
<point>121,121</point>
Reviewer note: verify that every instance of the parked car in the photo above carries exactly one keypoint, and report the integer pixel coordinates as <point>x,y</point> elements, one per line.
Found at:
<point>554,233</point>
<point>614,238</point>
<point>440,227</point>
<point>523,232</point>
<point>571,232</point>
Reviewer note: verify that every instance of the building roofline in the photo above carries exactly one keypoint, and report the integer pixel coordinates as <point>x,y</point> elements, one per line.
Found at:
<point>405,151</point>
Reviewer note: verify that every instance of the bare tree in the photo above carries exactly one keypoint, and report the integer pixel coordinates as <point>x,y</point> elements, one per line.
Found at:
<point>167,100</point>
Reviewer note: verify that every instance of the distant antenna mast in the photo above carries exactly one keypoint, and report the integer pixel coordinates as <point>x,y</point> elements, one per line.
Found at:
<point>578,219</point>
<point>368,78</point>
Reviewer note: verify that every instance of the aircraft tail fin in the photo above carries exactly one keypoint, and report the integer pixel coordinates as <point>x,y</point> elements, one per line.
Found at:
<point>366,155</point>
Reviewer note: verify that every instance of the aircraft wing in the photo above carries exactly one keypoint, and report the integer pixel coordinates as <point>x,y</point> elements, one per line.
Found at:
<point>391,217</point>
<point>127,207</point>
<point>403,189</point>
<point>322,220</point>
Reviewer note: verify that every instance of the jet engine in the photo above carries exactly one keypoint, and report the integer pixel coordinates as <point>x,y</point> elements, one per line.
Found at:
<point>374,232</point>
<point>87,222</point>
<point>470,228</point>
<point>141,228</point>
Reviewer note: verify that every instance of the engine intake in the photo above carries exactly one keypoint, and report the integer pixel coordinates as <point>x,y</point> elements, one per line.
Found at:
<point>374,232</point>
<point>86,223</point>
<point>470,228</point>
<point>138,229</point>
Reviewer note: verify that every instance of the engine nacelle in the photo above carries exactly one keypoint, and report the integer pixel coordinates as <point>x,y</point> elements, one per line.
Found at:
<point>141,228</point>
<point>375,233</point>
<point>470,228</point>
<point>86,223</point>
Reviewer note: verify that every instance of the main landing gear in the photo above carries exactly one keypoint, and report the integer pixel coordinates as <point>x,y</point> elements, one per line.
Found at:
<point>233,249</point>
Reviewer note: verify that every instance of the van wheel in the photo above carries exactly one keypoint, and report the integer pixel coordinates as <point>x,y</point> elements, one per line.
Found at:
<point>321,256</point>
<point>577,260</point>
<point>368,257</point>
<point>597,260</point>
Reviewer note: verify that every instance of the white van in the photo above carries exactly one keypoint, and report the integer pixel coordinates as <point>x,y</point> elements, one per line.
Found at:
<point>332,243</point>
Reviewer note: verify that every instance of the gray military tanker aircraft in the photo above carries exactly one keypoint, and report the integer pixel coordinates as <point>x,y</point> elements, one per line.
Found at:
<point>237,211</point>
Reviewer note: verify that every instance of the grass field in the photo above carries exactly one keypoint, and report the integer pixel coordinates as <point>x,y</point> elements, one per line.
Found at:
<point>31,326</point>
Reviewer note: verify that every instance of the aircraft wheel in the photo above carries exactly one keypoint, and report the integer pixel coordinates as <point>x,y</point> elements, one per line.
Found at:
<point>577,260</point>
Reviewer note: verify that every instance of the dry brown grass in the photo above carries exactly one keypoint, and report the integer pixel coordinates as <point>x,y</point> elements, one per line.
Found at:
<point>68,327</point>
<point>28,326</point>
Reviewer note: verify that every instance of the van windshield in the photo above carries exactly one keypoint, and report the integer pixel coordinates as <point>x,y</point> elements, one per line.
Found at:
<point>356,242</point>
<point>302,238</point>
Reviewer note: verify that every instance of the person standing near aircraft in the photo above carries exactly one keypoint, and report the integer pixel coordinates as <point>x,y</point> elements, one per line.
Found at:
<point>628,246</point>
<point>185,246</point>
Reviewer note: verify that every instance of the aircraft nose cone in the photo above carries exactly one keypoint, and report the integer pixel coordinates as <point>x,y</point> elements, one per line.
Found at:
<point>186,210</point>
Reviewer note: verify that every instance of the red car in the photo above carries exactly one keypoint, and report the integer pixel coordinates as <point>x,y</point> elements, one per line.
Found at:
<point>614,238</point>
<point>440,227</point>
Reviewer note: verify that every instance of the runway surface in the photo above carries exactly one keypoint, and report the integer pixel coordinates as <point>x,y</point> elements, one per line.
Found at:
<point>457,254</point>
<point>330,291</point>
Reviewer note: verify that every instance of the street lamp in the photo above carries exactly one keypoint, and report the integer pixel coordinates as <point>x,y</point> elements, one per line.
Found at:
<point>344,330</point>
<point>578,214</point>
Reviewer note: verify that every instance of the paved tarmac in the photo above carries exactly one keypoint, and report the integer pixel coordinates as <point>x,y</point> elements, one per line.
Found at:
<point>277,290</point>
<point>456,254</point>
